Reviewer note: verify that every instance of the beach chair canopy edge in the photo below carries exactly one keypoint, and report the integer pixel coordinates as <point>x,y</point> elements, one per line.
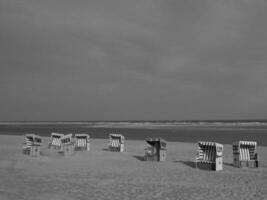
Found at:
<point>153,141</point>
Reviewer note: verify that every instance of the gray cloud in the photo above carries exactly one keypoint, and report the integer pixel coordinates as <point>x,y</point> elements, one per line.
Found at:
<point>98,60</point>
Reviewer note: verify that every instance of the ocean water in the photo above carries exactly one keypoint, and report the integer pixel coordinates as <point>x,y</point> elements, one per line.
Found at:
<point>225,132</point>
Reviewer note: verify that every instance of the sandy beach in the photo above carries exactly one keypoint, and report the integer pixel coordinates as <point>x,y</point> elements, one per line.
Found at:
<point>100,174</point>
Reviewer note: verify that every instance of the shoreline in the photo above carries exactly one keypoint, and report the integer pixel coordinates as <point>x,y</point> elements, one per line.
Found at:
<point>46,138</point>
<point>188,135</point>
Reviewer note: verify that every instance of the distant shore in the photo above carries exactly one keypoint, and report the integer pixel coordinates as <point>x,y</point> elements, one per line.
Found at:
<point>170,131</point>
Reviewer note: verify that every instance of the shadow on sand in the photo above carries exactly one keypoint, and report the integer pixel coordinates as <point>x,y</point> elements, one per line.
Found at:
<point>228,164</point>
<point>188,163</point>
<point>140,158</point>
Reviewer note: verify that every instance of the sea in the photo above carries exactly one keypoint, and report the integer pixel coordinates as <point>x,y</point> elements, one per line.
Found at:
<point>221,131</point>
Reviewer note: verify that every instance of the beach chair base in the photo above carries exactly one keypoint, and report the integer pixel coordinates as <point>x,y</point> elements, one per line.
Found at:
<point>55,147</point>
<point>68,149</point>
<point>33,151</point>
<point>150,158</point>
<point>82,148</point>
<point>246,163</point>
<point>116,149</point>
<point>152,155</point>
<point>162,155</point>
<point>208,165</point>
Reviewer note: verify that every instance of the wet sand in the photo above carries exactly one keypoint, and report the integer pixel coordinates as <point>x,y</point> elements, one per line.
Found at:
<point>100,174</point>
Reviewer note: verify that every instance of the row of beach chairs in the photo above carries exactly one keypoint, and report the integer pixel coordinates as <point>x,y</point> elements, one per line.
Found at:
<point>67,144</point>
<point>209,154</point>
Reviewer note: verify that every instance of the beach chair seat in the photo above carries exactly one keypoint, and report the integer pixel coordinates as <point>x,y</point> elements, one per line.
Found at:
<point>26,149</point>
<point>156,149</point>
<point>82,142</point>
<point>150,154</point>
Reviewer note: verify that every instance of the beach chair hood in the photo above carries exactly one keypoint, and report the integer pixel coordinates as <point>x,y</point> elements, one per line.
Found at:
<point>153,141</point>
<point>35,139</point>
<point>66,139</point>
<point>116,136</point>
<point>218,146</point>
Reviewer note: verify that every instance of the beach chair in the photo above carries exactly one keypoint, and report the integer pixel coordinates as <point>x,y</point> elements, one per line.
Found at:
<point>31,145</point>
<point>116,142</point>
<point>67,145</point>
<point>55,141</point>
<point>209,156</point>
<point>82,142</point>
<point>156,150</point>
<point>244,154</point>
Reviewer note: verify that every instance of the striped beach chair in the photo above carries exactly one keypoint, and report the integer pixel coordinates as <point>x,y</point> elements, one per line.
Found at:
<point>82,142</point>
<point>245,155</point>
<point>67,145</point>
<point>31,145</point>
<point>209,156</point>
<point>55,140</point>
<point>116,142</point>
<point>156,149</point>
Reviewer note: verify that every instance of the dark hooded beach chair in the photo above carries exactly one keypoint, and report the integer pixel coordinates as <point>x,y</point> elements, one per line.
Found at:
<point>156,150</point>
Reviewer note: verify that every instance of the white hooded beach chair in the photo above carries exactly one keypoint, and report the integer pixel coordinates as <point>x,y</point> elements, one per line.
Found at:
<point>156,150</point>
<point>244,154</point>
<point>82,142</point>
<point>67,145</point>
<point>116,142</point>
<point>32,144</point>
<point>55,140</point>
<point>209,156</point>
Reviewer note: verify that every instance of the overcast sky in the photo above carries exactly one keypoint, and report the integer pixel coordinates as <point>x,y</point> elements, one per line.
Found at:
<point>133,59</point>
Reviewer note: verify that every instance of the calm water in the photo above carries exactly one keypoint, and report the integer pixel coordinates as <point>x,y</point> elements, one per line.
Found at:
<point>224,132</point>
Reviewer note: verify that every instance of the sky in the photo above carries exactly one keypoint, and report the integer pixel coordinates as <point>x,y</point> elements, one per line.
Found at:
<point>133,60</point>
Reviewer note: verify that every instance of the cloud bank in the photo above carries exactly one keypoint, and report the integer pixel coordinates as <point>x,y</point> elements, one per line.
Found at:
<point>133,60</point>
